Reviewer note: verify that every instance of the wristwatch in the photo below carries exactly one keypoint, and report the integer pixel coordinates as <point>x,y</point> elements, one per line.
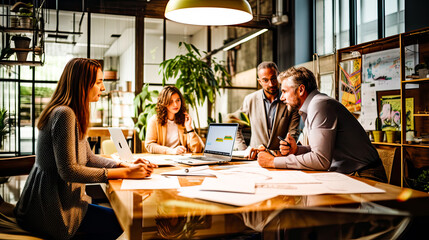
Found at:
<point>193,130</point>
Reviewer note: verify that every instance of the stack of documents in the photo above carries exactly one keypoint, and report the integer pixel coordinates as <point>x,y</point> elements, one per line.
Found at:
<point>240,189</point>
<point>244,185</point>
<point>315,184</point>
<point>230,198</point>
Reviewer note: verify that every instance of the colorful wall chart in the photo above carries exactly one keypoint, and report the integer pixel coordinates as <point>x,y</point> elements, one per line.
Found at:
<point>383,67</point>
<point>350,84</point>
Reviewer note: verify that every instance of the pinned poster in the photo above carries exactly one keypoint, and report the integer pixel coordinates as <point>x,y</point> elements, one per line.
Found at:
<point>369,106</point>
<point>350,84</point>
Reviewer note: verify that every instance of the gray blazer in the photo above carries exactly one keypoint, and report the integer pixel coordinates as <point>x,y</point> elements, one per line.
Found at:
<point>286,120</point>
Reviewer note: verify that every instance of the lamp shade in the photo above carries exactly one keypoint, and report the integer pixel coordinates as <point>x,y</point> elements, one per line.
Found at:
<point>209,12</point>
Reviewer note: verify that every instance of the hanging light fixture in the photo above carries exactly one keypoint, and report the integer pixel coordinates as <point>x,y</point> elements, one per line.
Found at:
<point>209,12</point>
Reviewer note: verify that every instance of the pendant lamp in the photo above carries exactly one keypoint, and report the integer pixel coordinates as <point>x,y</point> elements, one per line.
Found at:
<point>209,12</point>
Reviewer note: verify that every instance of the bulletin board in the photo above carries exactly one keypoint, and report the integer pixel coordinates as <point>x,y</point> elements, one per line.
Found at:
<point>363,79</point>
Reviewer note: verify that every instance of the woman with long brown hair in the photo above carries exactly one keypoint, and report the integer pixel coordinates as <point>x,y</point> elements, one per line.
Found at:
<point>53,203</point>
<point>170,130</point>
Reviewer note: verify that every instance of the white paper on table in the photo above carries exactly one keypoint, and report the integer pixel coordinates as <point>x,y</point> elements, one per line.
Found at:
<point>292,189</point>
<point>243,153</point>
<point>288,177</point>
<point>154,182</point>
<point>160,160</point>
<point>340,183</point>
<point>245,171</point>
<point>239,153</point>
<point>228,184</point>
<point>182,172</point>
<point>236,199</point>
<point>254,164</point>
<point>331,183</point>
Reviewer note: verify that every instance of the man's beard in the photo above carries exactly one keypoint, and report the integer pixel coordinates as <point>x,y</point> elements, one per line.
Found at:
<point>294,106</point>
<point>274,91</point>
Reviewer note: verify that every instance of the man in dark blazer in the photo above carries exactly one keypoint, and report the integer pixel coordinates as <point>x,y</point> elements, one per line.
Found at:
<point>269,117</point>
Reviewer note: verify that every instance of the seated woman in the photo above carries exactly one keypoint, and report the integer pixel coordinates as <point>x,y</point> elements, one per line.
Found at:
<point>170,130</point>
<point>53,203</point>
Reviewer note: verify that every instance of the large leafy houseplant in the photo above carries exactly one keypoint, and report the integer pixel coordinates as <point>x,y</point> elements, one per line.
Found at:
<point>3,126</point>
<point>144,108</point>
<point>196,78</point>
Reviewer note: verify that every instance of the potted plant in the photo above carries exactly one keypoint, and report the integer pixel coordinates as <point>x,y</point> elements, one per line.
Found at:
<point>22,43</point>
<point>3,126</point>
<point>25,15</point>
<point>378,134</point>
<point>197,79</point>
<point>24,12</point>
<point>144,108</point>
<point>110,74</point>
<point>14,21</point>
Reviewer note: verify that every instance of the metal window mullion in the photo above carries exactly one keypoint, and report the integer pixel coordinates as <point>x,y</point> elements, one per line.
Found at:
<point>18,124</point>
<point>88,48</point>
<point>398,16</point>
<point>381,20</point>
<point>33,111</point>
<point>353,22</point>
<point>314,27</point>
<point>164,39</point>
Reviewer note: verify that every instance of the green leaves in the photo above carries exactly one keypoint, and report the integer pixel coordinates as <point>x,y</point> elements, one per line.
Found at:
<point>245,118</point>
<point>144,108</point>
<point>196,79</point>
<point>3,123</point>
<point>423,180</point>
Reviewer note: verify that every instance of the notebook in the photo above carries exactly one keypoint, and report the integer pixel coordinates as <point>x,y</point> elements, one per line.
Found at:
<point>219,145</point>
<point>124,150</point>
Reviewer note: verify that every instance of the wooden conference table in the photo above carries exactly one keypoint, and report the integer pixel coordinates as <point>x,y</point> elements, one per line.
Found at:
<point>158,214</point>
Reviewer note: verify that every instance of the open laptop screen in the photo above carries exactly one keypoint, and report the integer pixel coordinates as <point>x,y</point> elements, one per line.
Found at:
<point>221,138</point>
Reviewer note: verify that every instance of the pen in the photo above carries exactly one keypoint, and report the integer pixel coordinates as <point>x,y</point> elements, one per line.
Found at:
<point>268,150</point>
<point>282,139</point>
<point>193,169</point>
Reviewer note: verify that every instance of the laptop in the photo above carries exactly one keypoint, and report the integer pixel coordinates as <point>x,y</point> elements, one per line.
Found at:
<point>124,150</point>
<point>219,145</point>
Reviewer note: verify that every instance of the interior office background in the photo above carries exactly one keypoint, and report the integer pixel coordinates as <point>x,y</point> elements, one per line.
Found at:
<point>101,32</point>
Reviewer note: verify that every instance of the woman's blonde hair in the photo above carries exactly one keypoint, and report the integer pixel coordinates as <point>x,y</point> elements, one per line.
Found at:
<point>79,75</point>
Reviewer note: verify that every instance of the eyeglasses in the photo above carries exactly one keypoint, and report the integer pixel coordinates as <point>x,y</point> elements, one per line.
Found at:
<point>265,81</point>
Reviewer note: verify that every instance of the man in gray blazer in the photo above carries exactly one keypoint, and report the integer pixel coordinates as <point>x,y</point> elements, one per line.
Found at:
<point>269,117</point>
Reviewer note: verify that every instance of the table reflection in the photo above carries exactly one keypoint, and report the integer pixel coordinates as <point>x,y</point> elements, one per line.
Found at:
<point>163,214</point>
